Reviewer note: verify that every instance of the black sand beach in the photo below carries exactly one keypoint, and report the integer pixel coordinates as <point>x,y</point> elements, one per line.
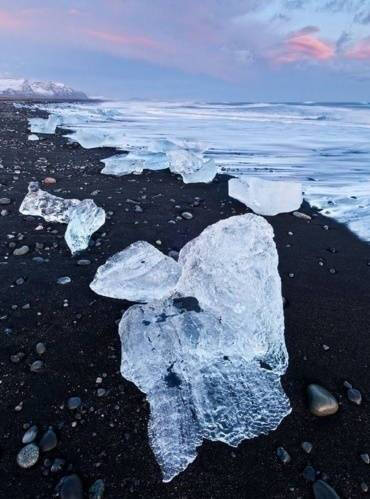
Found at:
<point>107,438</point>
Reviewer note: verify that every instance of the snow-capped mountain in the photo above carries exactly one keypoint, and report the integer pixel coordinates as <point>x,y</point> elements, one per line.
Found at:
<point>22,88</point>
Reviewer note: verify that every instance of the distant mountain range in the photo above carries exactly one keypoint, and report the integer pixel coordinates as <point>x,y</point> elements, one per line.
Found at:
<point>21,88</point>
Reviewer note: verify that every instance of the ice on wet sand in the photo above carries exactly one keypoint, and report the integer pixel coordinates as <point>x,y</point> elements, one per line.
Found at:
<point>45,125</point>
<point>51,208</point>
<point>192,167</point>
<point>86,219</point>
<point>124,164</point>
<point>83,217</point>
<point>266,197</point>
<point>210,357</point>
<point>138,273</point>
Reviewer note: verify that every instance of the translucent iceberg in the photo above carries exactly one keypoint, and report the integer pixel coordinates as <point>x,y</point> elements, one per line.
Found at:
<point>83,217</point>
<point>138,273</point>
<point>86,218</point>
<point>210,357</point>
<point>95,136</point>
<point>267,197</point>
<point>124,164</point>
<point>32,137</point>
<point>191,167</point>
<point>51,208</point>
<point>45,125</point>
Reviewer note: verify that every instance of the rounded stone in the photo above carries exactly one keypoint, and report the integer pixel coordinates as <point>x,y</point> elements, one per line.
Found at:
<point>28,456</point>
<point>321,490</point>
<point>23,250</point>
<point>30,435</point>
<point>186,215</point>
<point>40,348</point>
<point>70,487</point>
<point>73,403</point>
<point>354,396</point>
<point>307,447</point>
<point>309,473</point>
<point>64,280</point>
<point>4,201</point>
<point>320,401</point>
<point>96,491</point>
<point>37,366</point>
<point>283,455</point>
<point>48,441</point>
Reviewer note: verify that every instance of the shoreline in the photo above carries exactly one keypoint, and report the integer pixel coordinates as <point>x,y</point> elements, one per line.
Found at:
<point>82,343</point>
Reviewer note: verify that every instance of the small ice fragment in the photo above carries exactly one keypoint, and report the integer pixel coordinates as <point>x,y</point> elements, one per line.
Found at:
<point>138,273</point>
<point>52,208</point>
<point>266,197</point>
<point>33,137</point>
<point>191,167</point>
<point>64,280</point>
<point>86,219</point>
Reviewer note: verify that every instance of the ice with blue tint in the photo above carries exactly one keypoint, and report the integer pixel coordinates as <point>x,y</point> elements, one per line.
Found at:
<point>45,125</point>
<point>124,164</point>
<point>83,217</point>
<point>266,197</point>
<point>86,218</point>
<point>140,273</point>
<point>192,167</point>
<point>324,146</point>
<point>210,357</point>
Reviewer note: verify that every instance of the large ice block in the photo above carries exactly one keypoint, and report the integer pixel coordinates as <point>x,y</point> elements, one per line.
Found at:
<point>191,167</point>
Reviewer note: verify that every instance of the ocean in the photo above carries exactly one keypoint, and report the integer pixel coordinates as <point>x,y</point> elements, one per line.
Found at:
<point>326,146</point>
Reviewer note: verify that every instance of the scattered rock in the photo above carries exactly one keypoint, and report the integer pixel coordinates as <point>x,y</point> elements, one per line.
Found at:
<point>365,458</point>
<point>73,403</point>
<point>28,456</point>
<point>37,366</point>
<point>23,250</point>
<point>321,490</point>
<point>304,216</point>
<point>5,201</point>
<point>49,441</point>
<point>321,402</point>
<point>40,348</point>
<point>283,455</point>
<point>96,491</point>
<point>30,435</point>
<point>354,396</point>
<point>307,447</point>
<point>70,487</point>
<point>64,280</point>
<point>83,262</point>
<point>49,181</point>
<point>309,473</point>
<point>57,465</point>
<point>186,215</point>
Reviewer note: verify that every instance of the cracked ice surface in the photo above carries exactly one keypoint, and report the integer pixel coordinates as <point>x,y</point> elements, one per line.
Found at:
<point>191,167</point>
<point>210,358</point>
<point>124,164</point>
<point>138,273</point>
<point>51,208</point>
<point>266,197</point>
<point>86,219</point>
<point>83,217</point>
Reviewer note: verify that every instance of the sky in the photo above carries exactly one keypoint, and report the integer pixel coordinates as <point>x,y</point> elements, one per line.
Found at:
<point>212,50</point>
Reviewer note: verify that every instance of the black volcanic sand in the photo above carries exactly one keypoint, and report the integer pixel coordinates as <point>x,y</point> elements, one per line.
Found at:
<point>107,439</point>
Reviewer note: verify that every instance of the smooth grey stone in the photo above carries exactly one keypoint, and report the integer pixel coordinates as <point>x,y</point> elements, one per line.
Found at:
<point>309,473</point>
<point>96,491</point>
<point>48,441</point>
<point>186,215</point>
<point>23,250</point>
<point>83,262</point>
<point>57,465</point>
<point>64,280</point>
<point>307,447</point>
<point>40,348</point>
<point>283,455</point>
<point>30,435</point>
<point>354,396</point>
<point>365,458</point>
<point>364,487</point>
<point>321,402</point>
<point>70,487</point>
<point>321,490</point>
<point>73,403</point>
<point>37,366</point>
<point>4,201</point>
<point>28,456</point>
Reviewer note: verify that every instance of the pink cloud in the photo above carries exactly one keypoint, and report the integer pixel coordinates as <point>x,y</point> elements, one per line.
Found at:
<point>123,40</point>
<point>360,51</point>
<point>301,47</point>
<point>9,21</point>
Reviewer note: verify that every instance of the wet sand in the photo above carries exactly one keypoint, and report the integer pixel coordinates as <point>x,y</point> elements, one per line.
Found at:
<point>107,439</point>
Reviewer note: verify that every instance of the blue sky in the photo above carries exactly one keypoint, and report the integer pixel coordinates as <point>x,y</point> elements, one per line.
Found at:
<point>208,50</point>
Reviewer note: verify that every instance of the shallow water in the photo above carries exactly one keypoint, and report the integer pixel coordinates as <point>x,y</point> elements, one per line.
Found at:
<point>326,146</point>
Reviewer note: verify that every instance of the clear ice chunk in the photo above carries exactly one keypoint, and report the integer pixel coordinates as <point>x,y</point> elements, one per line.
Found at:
<point>32,137</point>
<point>191,167</point>
<point>86,218</point>
<point>266,197</point>
<point>51,208</point>
<point>45,125</point>
<point>210,357</point>
<point>124,164</point>
<point>139,273</point>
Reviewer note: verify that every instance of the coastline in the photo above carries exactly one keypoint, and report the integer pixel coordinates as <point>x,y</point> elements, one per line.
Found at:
<point>82,343</point>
